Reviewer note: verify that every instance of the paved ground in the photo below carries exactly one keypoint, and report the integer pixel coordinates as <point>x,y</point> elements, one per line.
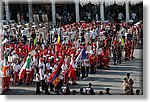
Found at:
<point>103,79</point>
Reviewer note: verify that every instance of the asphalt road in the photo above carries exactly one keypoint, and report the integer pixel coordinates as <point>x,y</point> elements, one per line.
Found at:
<point>111,78</point>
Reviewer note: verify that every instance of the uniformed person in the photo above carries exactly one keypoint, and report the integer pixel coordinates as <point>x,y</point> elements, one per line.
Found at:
<point>38,83</point>
<point>46,76</point>
<point>114,55</point>
<point>41,71</point>
<point>83,69</point>
<point>15,73</point>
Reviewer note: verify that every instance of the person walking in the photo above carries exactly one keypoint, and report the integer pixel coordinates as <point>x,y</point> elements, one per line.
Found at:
<point>38,83</point>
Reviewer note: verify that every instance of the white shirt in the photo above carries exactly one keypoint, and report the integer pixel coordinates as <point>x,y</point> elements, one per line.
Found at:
<point>46,78</point>
<point>48,66</point>
<point>55,66</point>
<point>86,62</point>
<point>120,16</point>
<point>89,15</point>
<point>41,71</point>
<point>42,64</point>
<point>133,15</point>
<point>37,78</point>
<point>96,17</point>
<point>19,67</point>
<point>15,66</point>
<point>64,67</point>
<point>23,32</point>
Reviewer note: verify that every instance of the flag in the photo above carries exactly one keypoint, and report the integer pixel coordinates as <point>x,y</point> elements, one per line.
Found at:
<point>122,41</point>
<point>71,71</point>
<point>23,69</point>
<point>34,41</point>
<point>58,39</point>
<point>54,78</point>
<point>58,44</point>
<point>56,81</point>
<point>79,57</point>
<point>55,58</point>
<point>83,54</point>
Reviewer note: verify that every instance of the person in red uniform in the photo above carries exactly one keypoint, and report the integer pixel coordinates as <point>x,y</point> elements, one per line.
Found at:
<point>15,73</point>
<point>106,58</point>
<point>132,49</point>
<point>92,63</point>
<point>126,50</point>
<point>129,49</point>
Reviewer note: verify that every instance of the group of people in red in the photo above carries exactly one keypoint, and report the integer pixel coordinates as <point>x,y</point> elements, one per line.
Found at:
<point>84,47</point>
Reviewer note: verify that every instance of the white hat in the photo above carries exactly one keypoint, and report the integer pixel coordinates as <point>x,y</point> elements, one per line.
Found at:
<point>57,59</point>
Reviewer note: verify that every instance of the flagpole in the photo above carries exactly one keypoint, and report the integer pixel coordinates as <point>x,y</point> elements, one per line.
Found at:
<point>80,65</point>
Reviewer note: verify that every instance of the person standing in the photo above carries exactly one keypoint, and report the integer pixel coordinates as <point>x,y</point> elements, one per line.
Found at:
<point>65,15</point>
<point>126,86</point>
<point>120,16</point>
<point>114,55</point>
<point>46,76</point>
<point>87,65</point>
<point>133,16</point>
<point>83,69</point>
<point>89,17</point>
<point>38,83</point>
<point>41,71</point>
<point>119,54</point>
<point>18,17</point>
<point>16,77</point>
<point>131,82</point>
<point>48,66</point>
<point>92,63</point>
<point>97,17</point>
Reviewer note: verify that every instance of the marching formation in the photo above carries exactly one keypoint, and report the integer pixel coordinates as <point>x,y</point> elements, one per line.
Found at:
<point>55,56</point>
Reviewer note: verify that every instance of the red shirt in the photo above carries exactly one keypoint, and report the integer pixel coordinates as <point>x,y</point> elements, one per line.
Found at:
<point>92,59</point>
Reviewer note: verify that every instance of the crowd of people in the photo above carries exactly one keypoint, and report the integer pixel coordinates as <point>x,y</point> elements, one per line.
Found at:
<point>56,56</point>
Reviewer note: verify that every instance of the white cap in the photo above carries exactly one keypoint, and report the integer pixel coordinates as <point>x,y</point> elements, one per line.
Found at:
<point>57,59</point>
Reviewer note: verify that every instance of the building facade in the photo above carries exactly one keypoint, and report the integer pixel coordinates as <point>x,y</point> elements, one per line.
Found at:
<point>76,10</point>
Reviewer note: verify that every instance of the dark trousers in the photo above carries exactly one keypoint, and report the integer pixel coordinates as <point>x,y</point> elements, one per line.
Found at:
<point>83,71</point>
<point>114,58</point>
<point>37,87</point>
<point>92,69</point>
<point>43,84</point>
<point>119,56</point>
<point>87,71</point>
<point>46,88</point>
<point>78,73</point>
<point>51,87</point>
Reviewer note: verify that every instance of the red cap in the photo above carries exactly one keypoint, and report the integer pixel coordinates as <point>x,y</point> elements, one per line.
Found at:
<point>11,45</point>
